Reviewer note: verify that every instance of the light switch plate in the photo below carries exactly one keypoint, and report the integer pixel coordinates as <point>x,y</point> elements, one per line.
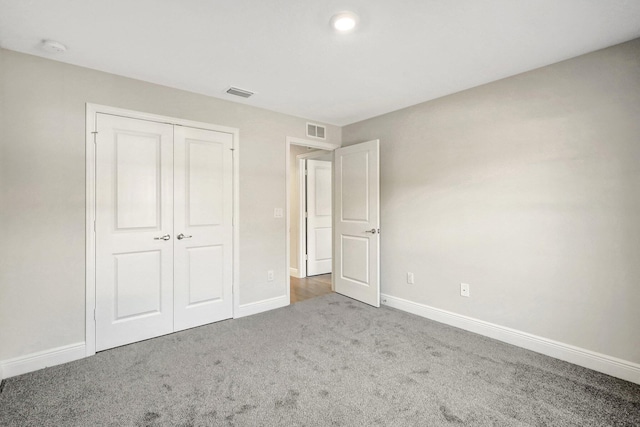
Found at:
<point>277,212</point>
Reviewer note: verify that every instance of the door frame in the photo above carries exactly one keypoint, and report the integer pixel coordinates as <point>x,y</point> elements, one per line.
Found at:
<point>320,145</point>
<point>302,194</point>
<point>90,205</point>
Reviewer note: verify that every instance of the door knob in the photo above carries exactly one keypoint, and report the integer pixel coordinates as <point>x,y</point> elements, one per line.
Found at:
<point>165,237</point>
<point>372,231</point>
<point>182,236</point>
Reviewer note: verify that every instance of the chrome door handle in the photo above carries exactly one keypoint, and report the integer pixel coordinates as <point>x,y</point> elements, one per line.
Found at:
<point>165,237</point>
<point>372,231</point>
<point>182,236</point>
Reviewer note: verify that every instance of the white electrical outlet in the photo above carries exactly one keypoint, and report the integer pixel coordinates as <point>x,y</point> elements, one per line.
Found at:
<point>270,276</point>
<point>277,212</point>
<point>410,279</point>
<point>464,290</point>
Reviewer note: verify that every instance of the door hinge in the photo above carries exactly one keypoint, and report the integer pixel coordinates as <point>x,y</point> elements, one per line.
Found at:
<point>306,214</point>
<point>94,314</point>
<point>306,257</point>
<point>306,172</point>
<point>94,225</point>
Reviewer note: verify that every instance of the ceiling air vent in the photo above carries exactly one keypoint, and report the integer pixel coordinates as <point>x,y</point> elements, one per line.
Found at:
<point>239,92</point>
<point>316,131</point>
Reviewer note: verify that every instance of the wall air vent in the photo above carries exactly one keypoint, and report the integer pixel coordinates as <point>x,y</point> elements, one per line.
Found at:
<point>316,131</point>
<point>239,92</point>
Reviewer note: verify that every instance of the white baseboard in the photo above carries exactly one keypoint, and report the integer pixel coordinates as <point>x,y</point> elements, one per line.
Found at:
<point>609,365</point>
<point>42,359</point>
<point>260,306</point>
<point>294,272</point>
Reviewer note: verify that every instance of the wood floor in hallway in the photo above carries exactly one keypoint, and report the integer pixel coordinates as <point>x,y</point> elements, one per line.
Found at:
<point>310,287</point>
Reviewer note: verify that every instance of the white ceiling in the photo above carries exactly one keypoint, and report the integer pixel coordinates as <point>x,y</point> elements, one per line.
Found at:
<point>403,53</point>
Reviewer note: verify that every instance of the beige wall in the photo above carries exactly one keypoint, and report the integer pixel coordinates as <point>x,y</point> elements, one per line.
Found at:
<point>42,191</point>
<point>528,189</point>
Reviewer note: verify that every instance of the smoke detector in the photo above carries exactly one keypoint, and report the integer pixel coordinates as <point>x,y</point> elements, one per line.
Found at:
<point>53,46</point>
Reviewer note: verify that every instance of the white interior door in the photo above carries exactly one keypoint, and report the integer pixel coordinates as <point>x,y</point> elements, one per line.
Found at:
<point>203,196</point>
<point>357,222</point>
<point>318,217</point>
<point>134,230</point>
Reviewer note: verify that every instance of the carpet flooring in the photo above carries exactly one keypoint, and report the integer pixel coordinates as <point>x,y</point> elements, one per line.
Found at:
<point>328,361</point>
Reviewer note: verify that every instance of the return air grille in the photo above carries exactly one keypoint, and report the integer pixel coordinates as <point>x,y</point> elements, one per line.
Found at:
<point>316,131</point>
<point>239,92</point>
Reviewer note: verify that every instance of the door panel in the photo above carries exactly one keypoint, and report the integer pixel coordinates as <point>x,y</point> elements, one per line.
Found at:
<point>206,274</point>
<point>319,217</point>
<point>134,207</point>
<point>354,186</point>
<point>138,170</point>
<point>357,249</point>
<point>355,259</point>
<point>205,182</point>
<point>203,213</point>
<point>138,284</point>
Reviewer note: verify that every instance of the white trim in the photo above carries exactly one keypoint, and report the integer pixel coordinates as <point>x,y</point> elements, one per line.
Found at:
<point>236,221</point>
<point>302,223</point>
<point>90,235</point>
<point>42,359</point>
<point>294,272</point>
<point>609,365</point>
<point>261,306</point>
<point>321,145</point>
<point>90,276</point>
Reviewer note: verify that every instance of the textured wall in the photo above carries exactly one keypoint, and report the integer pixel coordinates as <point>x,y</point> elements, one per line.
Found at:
<point>528,189</point>
<point>42,191</point>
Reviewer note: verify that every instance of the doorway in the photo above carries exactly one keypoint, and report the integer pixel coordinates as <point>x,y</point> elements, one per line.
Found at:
<point>309,220</point>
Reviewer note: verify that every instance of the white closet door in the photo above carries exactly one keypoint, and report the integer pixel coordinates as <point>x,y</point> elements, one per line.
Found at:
<point>134,230</point>
<point>203,257</point>
<point>318,217</point>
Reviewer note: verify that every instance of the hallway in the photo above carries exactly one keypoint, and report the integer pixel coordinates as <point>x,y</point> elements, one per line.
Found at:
<point>309,287</point>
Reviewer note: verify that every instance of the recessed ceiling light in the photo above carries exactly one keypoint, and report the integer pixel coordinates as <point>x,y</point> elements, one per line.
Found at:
<point>53,46</point>
<point>344,22</point>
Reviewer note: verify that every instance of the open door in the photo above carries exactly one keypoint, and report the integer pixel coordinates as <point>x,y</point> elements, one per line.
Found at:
<point>357,222</point>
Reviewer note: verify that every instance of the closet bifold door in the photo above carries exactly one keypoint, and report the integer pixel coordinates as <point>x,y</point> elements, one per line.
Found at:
<point>203,210</point>
<point>134,230</point>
